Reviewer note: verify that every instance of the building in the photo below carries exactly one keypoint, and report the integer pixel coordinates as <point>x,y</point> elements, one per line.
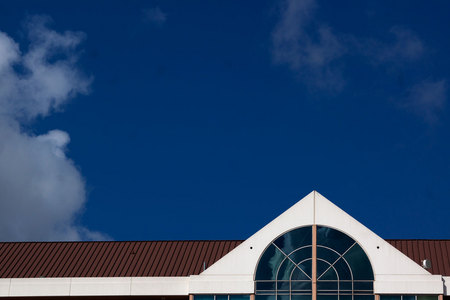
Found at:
<point>314,250</point>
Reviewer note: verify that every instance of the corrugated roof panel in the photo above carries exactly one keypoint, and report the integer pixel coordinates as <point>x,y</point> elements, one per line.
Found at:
<point>174,264</point>
<point>14,253</point>
<point>156,258</point>
<point>153,264</point>
<point>184,263</point>
<point>418,250</point>
<point>134,255</point>
<point>143,259</point>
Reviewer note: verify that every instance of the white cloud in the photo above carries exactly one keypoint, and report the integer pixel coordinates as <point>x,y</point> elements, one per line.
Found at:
<point>41,190</point>
<point>155,15</point>
<point>427,99</point>
<point>316,53</point>
<point>404,46</point>
<point>45,83</point>
<point>307,48</point>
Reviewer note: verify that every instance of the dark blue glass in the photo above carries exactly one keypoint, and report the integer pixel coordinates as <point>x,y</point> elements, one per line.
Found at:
<point>301,297</point>
<point>322,268</point>
<point>301,254</point>
<point>285,271</point>
<point>283,297</point>
<point>343,270</point>
<point>221,297</point>
<point>390,297</point>
<point>345,286</point>
<point>283,286</point>
<point>330,274</point>
<point>265,286</point>
<point>264,297</point>
<point>327,297</point>
<point>364,297</point>
<point>359,262</point>
<point>268,264</point>
<point>333,239</point>
<point>364,286</point>
<point>427,297</point>
<point>239,297</point>
<point>327,286</point>
<point>294,239</point>
<point>301,286</point>
<point>341,262</point>
<point>203,297</point>
<point>302,270</point>
<point>327,254</point>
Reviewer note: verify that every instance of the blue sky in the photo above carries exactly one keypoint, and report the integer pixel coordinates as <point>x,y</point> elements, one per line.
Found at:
<point>205,120</point>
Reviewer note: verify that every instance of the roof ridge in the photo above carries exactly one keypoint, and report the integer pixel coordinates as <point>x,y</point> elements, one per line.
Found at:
<point>120,241</point>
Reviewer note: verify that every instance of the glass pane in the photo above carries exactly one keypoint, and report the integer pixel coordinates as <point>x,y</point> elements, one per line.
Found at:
<point>264,286</point>
<point>203,297</point>
<point>301,286</point>
<point>329,275</point>
<point>283,286</point>
<point>326,254</point>
<point>301,297</point>
<point>301,270</point>
<point>345,286</point>
<point>221,297</point>
<point>390,297</point>
<point>322,268</point>
<point>294,239</point>
<point>301,254</point>
<point>364,286</point>
<point>285,271</point>
<point>283,297</point>
<point>360,264</point>
<point>333,239</point>
<point>268,264</point>
<point>327,286</point>
<point>409,297</point>
<point>327,297</point>
<point>364,297</point>
<point>239,297</point>
<point>427,297</point>
<point>264,297</point>
<point>343,270</point>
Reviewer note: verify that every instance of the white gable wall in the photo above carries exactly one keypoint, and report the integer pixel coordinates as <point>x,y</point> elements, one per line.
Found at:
<point>394,271</point>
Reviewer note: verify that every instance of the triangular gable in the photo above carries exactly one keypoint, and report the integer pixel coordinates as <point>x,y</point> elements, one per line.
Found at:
<point>316,209</point>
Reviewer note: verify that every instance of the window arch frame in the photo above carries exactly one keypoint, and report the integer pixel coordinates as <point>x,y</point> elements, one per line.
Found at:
<point>318,293</point>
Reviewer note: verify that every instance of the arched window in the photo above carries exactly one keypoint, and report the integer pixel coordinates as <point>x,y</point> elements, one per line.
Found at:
<point>327,257</point>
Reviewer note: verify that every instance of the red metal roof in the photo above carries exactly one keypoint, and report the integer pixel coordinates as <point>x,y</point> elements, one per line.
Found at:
<point>109,259</point>
<point>437,251</point>
<point>155,258</point>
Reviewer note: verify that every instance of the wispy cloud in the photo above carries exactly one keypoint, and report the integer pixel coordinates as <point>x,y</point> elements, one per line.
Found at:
<point>404,46</point>
<point>308,50</point>
<point>427,99</point>
<point>42,190</point>
<point>155,15</point>
<point>317,53</point>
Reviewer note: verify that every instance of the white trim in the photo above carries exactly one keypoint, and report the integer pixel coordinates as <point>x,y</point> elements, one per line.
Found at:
<point>446,280</point>
<point>221,284</point>
<point>409,284</point>
<point>95,286</point>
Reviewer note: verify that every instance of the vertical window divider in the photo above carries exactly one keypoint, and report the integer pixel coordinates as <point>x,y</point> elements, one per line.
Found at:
<point>314,262</point>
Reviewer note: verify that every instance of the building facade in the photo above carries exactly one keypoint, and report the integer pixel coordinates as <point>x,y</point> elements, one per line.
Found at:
<point>314,250</point>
